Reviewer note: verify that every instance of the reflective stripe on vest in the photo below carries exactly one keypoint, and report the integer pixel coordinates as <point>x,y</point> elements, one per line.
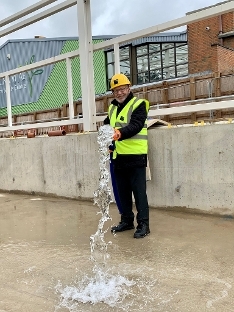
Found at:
<point>137,144</point>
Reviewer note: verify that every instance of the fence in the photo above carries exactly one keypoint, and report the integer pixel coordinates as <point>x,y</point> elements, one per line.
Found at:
<point>172,93</point>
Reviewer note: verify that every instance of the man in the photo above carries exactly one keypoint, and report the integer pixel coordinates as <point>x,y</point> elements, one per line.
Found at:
<point>127,115</point>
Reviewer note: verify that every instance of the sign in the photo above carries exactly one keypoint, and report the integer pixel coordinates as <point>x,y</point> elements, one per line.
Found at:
<point>22,81</point>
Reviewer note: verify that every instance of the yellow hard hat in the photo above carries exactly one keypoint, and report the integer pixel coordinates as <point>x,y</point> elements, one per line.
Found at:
<point>119,80</point>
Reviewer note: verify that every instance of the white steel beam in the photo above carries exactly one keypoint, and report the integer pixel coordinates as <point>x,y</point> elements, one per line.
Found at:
<point>49,61</point>
<point>117,58</point>
<point>24,12</point>
<point>186,20</point>
<point>185,109</point>
<point>38,17</point>
<point>42,125</point>
<point>8,98</point>
<point>70,88</point>
<point>191,108</point>
<point>86,65</point>
<point>152,113</point>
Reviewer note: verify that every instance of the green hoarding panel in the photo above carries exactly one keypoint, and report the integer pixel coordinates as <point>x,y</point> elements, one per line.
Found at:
<point>55,91</point>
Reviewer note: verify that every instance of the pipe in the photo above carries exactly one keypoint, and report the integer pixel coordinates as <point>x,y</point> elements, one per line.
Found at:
<point>31,134</point>
<point>56,132</point>
<point>221,28</point>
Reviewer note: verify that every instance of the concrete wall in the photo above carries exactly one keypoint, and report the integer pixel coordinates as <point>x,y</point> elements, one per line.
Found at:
<point>64,166</point>
<point>191,167</point>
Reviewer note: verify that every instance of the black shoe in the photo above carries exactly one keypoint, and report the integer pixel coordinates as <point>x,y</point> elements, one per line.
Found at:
<point>122,226</point>
<point>142,231</point>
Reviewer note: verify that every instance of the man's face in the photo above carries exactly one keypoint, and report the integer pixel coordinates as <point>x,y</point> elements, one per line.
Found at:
<point>121,93</point>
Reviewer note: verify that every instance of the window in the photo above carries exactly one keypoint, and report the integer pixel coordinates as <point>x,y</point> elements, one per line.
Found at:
<point>161,61</point>
<point>142,50</point>
<point>125,61</point>
<point>150,62</point>
<point>125,64</point>
<point>182,70</point>
<point>181,54</point>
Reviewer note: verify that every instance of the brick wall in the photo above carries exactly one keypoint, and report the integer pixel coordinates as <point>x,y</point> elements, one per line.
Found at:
<point>204,52</point>
<point>228,42</point>
<point>201,56</point>
<point>227,22</point>
<point>225,59</point>
<point>227,26</point>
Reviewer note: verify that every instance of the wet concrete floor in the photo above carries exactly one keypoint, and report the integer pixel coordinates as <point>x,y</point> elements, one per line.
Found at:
<point>185,264</point>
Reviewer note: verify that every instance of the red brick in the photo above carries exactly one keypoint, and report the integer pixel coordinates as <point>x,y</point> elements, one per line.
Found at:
<point>204,52</point>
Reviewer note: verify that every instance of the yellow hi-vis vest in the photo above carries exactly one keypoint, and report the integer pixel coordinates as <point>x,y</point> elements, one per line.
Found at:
<point>136,145</point>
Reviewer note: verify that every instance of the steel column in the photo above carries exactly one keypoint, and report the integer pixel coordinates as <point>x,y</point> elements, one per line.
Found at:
<point>117,58</point>
<point>70,88</point>
<point>86,65</point>
<point>8,98</point>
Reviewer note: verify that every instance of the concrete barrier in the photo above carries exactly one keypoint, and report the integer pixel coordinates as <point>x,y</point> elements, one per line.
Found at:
<point>64,166</point>
<point>191,167</point>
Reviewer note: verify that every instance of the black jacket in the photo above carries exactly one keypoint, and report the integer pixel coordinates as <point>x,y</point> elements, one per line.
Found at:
<point>137,122</point>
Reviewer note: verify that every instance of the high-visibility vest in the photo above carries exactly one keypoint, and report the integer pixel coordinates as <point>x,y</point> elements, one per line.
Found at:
<point>136,145</point>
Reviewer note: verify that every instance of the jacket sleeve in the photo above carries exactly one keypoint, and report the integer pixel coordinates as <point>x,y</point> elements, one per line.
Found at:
<point>137,122</point>
<point>106,121</point>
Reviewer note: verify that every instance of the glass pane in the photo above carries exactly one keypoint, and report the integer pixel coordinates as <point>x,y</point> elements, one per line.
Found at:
<point>125,67</point>
<point>110,70</point>
<point>124,53</point>
<point>155,60</point>
<point>143,78</point>
<point>110,57</point>
<point>181,44</point>
<point>169,72</point>
<point>182,54</point>
<point>142,63</point>
<point>154,48</point>
<point>108,84</point>
<point>166,46</point>
<point>155,75</point>
<point>168,57</point>
<point>182,70</point>
<point>142,50</point>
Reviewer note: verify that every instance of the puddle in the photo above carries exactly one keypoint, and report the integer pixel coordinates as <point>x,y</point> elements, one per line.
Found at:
<point>48,262</point>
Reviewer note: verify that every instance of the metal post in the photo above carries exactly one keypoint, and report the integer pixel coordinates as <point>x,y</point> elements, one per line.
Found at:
<point>8,98</point>
<point>210,88</point>
<point>70,89</point>
<point>117,58</point>
<point>86,65</point>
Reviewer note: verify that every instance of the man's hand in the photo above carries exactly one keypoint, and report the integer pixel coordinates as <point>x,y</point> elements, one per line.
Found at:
<point>117,135</point>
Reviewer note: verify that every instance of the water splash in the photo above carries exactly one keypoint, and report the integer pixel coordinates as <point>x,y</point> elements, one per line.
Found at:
<point>103,287</point>
<point>102,198</point>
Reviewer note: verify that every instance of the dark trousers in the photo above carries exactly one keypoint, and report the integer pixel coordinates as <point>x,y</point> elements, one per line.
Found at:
<point>132,181</point>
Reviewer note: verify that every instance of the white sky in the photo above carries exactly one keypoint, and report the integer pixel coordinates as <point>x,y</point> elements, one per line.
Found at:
<point>108,17</point>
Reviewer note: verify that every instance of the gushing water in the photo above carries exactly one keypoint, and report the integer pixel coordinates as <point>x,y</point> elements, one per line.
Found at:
<point>103,286</point>
<point>102,198</point>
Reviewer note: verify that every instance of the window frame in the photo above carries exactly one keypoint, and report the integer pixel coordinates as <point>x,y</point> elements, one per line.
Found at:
<point>133,64</point>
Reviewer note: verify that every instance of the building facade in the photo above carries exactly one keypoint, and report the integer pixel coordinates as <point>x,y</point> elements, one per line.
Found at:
<point>206,46</point>
<point>46,87</point>
<point>151,59</point>
<point>211,45</point>
<point>146,60</point>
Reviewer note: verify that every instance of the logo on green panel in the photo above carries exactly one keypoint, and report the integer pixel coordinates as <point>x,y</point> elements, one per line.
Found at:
<point>30,74</point>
